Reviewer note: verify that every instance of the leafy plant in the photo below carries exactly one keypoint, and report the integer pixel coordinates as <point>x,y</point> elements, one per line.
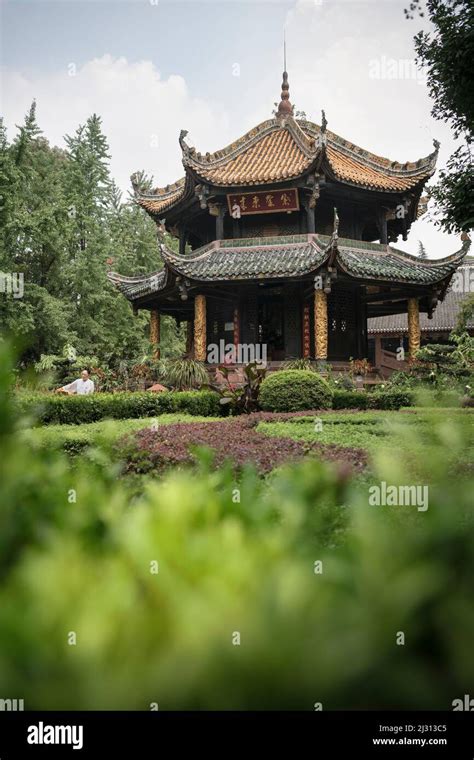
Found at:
<point>360,367</point>
<point>243,398</point>
<point>463,353</point>
<point>440,364</point>
<point>185,374</point>
<point>465,314</point>
<point>133,581</point>
<point>303,363</point>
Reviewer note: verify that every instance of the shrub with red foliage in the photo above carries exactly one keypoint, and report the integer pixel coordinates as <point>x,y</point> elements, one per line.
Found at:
<point>235,439</point>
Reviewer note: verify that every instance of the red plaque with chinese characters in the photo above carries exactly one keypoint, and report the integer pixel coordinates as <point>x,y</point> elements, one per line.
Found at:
<point>263,202</point>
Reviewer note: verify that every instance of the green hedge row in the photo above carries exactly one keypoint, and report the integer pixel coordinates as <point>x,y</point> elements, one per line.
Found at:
<point>74,410</point>
<point>391,399</point>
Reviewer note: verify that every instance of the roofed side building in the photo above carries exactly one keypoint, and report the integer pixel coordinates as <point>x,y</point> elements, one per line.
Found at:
<point>387,334</point>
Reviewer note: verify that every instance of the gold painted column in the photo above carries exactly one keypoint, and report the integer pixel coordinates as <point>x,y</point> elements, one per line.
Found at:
<point>413,327</point>
<point>200,339</point>
<point>321,324</point>
<point>155,332</point>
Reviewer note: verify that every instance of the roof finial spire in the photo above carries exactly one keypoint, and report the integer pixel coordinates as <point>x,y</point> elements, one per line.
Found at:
<point>285,108</point>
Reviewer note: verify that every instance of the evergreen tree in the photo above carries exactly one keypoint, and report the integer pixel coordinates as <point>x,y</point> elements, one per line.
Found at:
<point>63,226</point>
<point>422,251</point>
<point>33,238</point>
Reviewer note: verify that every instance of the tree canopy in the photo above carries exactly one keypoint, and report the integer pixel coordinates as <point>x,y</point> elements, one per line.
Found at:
<point>446,53</point>
<point>64,225</point>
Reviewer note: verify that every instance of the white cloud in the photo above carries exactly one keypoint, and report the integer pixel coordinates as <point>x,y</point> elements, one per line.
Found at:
<point>142,113</point>
<point>331,48</point>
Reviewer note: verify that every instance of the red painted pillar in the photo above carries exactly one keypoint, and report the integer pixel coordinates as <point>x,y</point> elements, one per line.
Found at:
<point>306,333</point>
<point>236,331</point>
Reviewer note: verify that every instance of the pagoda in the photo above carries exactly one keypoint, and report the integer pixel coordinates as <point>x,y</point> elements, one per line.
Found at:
<point>286,240</point>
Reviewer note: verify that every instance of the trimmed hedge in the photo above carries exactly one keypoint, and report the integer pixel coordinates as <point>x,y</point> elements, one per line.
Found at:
<point>390,399</point>
<point>343,399</point>
<point>294,390</point>
<point>74,410</point>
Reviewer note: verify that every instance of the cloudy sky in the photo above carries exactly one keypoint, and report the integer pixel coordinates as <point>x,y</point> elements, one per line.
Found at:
<point>150,68</point>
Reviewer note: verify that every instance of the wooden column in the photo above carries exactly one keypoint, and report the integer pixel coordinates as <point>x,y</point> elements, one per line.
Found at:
<point>306,333</point>
<point>320,325</point>
<point>236,330</point>
<point>382,225</point>
<point>378,351</point>
<point>413,327</point>
<point>155,332</point>
<point>236,228</point>
<point>200,339</point>
<point>361,325</point>
<point>220,222</point>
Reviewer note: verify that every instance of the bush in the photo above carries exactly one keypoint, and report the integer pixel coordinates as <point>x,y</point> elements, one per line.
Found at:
<point>391,399</point>
<point>87,565</point>
<point>346,399</point>
<point>74,410</point>
<point>394,398</point>
<point>294,390</point>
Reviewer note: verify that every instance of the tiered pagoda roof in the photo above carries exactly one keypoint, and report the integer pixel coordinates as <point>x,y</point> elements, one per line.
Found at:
<point>293,256</point>
<point>281,149</point>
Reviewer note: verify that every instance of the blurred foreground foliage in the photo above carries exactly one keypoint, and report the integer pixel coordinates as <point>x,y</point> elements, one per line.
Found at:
<point>229,566</point>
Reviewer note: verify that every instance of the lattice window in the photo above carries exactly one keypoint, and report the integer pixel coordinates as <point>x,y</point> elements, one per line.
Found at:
<point>341,309</point>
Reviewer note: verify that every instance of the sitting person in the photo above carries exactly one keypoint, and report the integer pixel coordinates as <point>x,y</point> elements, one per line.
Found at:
<point>82,386</point>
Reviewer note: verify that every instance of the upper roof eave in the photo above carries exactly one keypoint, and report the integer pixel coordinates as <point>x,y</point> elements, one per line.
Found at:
<point>294,148</point>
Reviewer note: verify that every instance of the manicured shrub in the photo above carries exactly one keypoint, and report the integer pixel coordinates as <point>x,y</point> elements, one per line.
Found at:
<point>294,390</point>
<point>395,398</point>
<point>74,410</point>
<point>391,399</point>
<point>346,399</point>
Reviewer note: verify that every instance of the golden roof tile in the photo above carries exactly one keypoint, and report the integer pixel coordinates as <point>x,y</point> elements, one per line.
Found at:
<point>282,149</point>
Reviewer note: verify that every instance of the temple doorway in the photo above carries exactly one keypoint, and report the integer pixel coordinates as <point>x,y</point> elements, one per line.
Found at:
<point>271,326</point>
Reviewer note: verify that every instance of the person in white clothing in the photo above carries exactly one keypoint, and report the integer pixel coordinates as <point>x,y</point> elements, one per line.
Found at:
<point>82,386</point>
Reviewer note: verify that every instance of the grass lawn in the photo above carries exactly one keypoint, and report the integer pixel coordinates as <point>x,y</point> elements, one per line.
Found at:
<point>371,431</point>
<point>377,432</point>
